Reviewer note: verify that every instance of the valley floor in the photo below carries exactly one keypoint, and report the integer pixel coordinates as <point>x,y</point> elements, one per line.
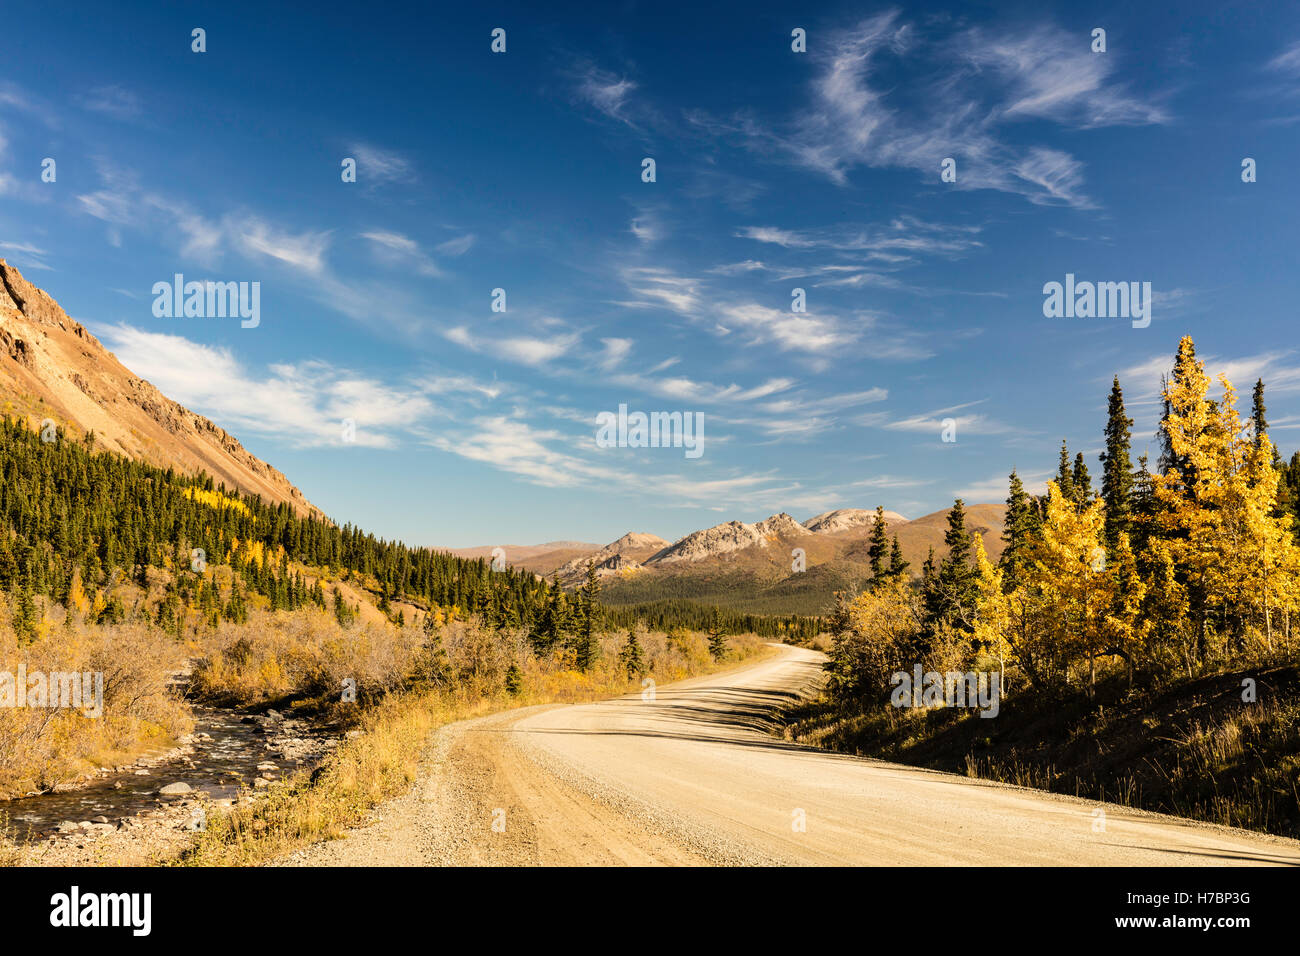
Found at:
<point>695,776</point>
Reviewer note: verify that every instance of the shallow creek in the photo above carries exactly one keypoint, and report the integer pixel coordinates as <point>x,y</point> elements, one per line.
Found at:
<point>226,754</point>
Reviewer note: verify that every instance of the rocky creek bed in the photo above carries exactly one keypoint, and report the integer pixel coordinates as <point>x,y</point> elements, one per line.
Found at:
<point>149,810</point>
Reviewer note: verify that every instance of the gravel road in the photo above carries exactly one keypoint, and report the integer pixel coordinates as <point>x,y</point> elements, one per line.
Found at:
<point>693,776</point>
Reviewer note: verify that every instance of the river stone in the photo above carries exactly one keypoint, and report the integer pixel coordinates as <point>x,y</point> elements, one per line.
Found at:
<point>260,783</point>
<point>99,819</point>
<point>172,789</point>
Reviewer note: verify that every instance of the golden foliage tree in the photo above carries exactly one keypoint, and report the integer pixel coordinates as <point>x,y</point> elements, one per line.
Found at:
<point>1216,518</point>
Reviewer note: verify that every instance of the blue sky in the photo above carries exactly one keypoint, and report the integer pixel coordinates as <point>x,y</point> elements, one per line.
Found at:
<point>775,170</point>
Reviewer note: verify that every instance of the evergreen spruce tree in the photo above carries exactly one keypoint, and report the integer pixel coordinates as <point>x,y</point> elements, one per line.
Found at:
<point>1257,412</point>
<point>342,612</point>
<point>25,616</point>
<point>931,598</point>
<point>1258,417</point>
<point>1185,371</point>
<point>1142,507</point>
<point>514,680</point>
<point>1117,469</point>
<point>545,632</point>
<point>1081,482</point>
<point>630,657</point>
<point>957,582</point>
<point>1064,477</point>
<point>842,679</point>
<point>1288,492</point>
<point>1018,530</point>
<point>717,635</point>
<point>586,648</point>
<point>897,566</point>
<point>431,665</point>
<point>878,552</point>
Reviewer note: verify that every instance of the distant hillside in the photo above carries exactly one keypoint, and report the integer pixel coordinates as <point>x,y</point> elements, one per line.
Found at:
<point>918,536</point>
<point>751,567</point>
<point>52,368</point>
<point>541,559</point>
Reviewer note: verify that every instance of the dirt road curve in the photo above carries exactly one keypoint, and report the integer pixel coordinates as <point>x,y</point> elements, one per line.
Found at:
<point>693,777</point>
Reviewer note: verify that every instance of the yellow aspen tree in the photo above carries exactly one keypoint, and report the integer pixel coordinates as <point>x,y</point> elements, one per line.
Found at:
<point>1236,557</point>
<point>993,616</point>
<point>1125,630</point>
<point>1075,592</point>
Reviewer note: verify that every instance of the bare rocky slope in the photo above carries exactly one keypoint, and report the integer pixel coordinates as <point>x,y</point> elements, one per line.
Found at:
<point>51,367</point>
<point>847,519</point>
<point>729,537</point>
<point>627,552</point>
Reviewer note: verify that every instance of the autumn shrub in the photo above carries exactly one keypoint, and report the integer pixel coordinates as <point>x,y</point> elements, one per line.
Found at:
<point>142,709</point>
<point>304,653</point>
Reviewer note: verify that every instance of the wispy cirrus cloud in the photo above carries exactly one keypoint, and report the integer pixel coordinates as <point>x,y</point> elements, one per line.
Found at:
<point>607,92</point>
<point>935,421</point>
<point>30,257</point>
<point>304,405</point>
<point>788,331</point>
<point>1287,62</point>
<point>522,349</point>
<point>995,488</point>
<point>397,249</point>
<point>616,350</point>
<point>649,226</point>
<point>660,287</point>
<point>456,247</point>
<point>123,203</point>
<point>304,250</point>
<point>115,101</point>
<point>966,89</point>
<point>754,323</point>
<point>1282,84</point>
<point>896,241</point>
<point>380,167</point>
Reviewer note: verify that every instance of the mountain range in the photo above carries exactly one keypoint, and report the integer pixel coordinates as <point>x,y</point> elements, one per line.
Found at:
<point>752,567</point>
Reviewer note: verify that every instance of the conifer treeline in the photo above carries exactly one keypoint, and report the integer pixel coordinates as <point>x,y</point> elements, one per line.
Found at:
<point>677,612</point>
<point>70,517</point>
